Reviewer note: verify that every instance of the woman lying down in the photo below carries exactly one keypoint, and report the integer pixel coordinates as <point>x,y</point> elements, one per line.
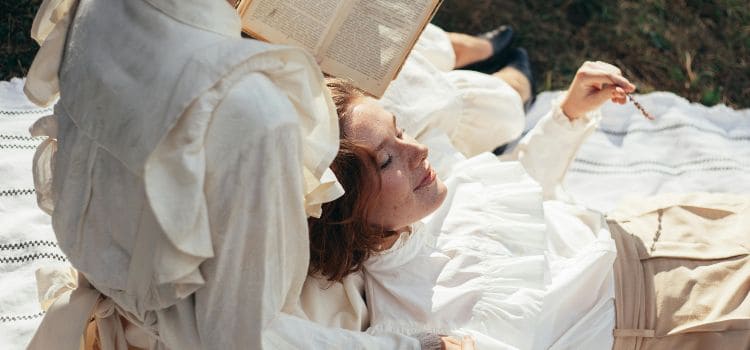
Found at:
<point>495,252</point>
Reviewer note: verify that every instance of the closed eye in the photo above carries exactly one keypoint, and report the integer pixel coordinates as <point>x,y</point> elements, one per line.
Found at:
<point>387,162</point>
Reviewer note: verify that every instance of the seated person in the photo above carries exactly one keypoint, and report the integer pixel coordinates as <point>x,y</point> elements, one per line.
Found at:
<point>498,253</point>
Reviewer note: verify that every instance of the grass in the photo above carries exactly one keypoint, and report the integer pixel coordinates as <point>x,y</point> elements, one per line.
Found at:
<point>699,49</point>
<point>17,49</point>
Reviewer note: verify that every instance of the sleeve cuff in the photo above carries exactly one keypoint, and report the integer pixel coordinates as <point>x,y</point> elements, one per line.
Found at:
<point>588,120</point>
<point>429,341</point>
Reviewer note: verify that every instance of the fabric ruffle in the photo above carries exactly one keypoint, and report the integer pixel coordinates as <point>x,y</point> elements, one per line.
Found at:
<point>172,172</point>
<point>492,112</point>
<point>43,165</point>
<point>50,30</point>
<point>477,266</point>
<point>174,159</point>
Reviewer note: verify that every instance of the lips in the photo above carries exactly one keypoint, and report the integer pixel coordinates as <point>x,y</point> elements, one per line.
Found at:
<point>428,178</point>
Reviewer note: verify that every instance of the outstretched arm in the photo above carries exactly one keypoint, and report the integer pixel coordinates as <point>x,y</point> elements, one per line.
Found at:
<point>548,149</point>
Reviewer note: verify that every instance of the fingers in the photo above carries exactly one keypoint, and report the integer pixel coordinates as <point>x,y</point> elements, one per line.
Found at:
<point>619,96</point>
<point>614,93</point>
<point>467,343</point>
<point>594,84</point>
<point>450,343</point>
<point>600,73</point>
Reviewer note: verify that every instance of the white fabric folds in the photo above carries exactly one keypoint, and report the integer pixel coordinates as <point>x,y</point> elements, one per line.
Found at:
<point>124,166</point>
<point>43,165</point>
<point>50,30</point>
<point>474,267</point>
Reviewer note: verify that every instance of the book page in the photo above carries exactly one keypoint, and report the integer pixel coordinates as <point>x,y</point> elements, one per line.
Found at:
<point>301,23</point>
<point>373,40</point>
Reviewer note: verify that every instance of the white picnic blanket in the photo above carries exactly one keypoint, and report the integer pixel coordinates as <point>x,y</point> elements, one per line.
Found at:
<point>688,148</point>
<point>26,238</point>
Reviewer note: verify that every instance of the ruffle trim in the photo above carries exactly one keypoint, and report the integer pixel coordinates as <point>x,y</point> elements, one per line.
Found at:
<point>50,30</point>
<point>184,216</point>
<point>588,120</point>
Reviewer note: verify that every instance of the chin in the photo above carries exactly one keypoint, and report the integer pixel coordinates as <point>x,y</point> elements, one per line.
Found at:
<point>442,192</point>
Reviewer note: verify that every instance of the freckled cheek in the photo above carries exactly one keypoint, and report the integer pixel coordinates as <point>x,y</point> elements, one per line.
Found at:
<point>396,192</point>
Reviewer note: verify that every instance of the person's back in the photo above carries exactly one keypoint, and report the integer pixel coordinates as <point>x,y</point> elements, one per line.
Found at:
<point>159,99</point>
<point>118,104</point>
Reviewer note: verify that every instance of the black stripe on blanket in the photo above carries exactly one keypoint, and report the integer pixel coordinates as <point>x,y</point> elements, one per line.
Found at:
<point>17,192</point>
<point>672,127</point>
<point>6,319</point>
<point>20,138</point>
<point>29,257</point>
<point>25,112</point>
<point>27,244</point>
<point>659,171</point>
<point>14,146</point>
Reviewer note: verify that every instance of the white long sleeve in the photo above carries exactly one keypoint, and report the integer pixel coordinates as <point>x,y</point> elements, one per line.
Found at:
<point>254,189</point>
<point>548,149</point>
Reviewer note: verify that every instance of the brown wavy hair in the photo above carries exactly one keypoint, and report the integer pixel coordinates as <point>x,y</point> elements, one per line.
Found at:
<point>341,239</point>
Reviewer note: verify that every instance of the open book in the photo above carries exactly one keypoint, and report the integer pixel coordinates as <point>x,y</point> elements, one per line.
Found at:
<point>366,41</point>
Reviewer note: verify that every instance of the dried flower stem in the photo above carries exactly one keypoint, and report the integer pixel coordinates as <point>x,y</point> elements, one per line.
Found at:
<point>646,114</point>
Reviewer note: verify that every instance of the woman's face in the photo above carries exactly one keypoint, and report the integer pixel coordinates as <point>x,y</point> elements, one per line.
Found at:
<point>410,188</point>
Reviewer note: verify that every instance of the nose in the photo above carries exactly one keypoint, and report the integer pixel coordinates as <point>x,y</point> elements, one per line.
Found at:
<point>418,153</point>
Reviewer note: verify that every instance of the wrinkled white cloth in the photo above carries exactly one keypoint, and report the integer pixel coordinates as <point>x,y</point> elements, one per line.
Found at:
<point>504,259</point>
<point>187,158</point>
<point>27,242</point>
<point>476,111</point>
<point>688,148</point>
<point>552,295</point>
<point>475,267</point>
<point>446,109</point>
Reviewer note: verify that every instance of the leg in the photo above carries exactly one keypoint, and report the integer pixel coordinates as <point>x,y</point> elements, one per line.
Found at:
<point>483,52</point>
<point>517,80</point>
<point>469,49</point>
<point>516,72</point>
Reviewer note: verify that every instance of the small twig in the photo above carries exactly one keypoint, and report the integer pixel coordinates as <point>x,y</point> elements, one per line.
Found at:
<point>646,114</point>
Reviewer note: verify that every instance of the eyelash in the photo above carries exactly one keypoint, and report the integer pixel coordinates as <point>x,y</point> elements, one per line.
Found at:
<point>387,161</point>
<point>400,135</point>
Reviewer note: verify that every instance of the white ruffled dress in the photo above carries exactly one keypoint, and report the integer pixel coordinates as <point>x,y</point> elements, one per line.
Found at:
<point>475,267</point>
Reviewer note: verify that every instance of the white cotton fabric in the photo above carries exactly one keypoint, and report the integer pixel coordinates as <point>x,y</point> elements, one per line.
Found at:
<point>477,112</point>
<point>27,242</point>
<point>508,258</point>
<point>476,267</point>
<point>168,157</point>
<point>499,262</point>
<point>688,148</point>
<point>187,159</point>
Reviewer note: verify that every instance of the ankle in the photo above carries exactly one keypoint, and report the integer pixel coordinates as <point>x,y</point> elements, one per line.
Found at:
<point>469,49</point>
<point>517,80</point>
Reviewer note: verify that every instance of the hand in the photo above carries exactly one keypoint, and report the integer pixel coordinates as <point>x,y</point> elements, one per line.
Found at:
<point>594,84</point>
<point>465,343</point>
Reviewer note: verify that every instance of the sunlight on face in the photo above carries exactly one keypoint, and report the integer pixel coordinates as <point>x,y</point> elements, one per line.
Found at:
<point>410,188</point>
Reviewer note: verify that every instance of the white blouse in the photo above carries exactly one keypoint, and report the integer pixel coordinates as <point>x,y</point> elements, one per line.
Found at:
<point>508,258</point>
<point>498,262</point>
<point>545,280</point>
<point>187,159</point>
